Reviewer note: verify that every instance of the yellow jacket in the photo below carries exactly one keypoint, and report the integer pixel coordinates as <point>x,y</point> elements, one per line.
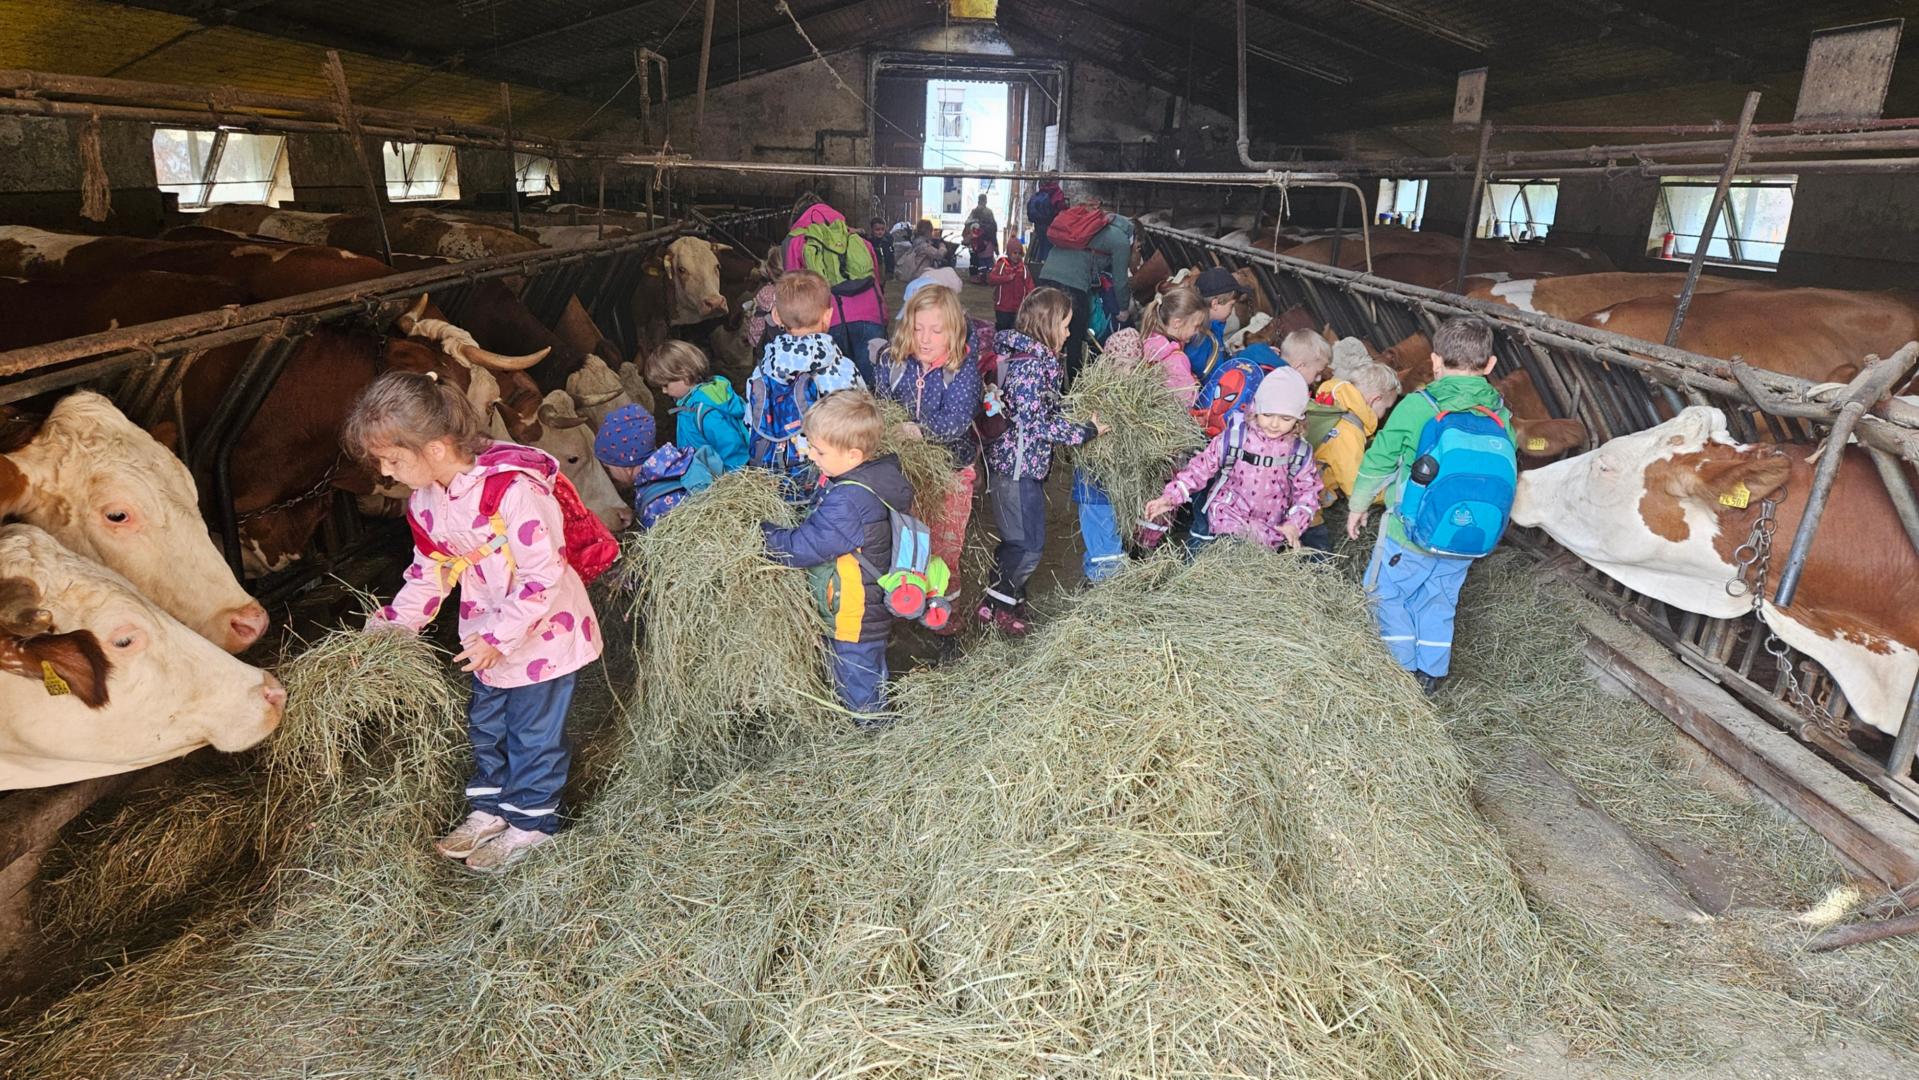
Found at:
<point>1339,455</point>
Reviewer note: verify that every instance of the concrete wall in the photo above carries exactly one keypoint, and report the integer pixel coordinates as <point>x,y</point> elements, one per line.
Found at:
<point>1854,232</point>
<point>40,176</point>
<point>1611,213</point>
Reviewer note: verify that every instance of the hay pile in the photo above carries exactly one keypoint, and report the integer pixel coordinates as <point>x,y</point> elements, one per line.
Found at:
<point>1151,434</point>
<point>928,466</point>
<point>1152,841</point>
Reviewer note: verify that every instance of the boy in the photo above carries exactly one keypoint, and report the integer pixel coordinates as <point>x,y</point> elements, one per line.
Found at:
<point>1344,415</point>
<point>1011,281</point>
<point>876,234</point>
<point>624,440</point>
<point>707,413</point>
<point>1307,353</point>
<point>1414,592</point>
<point>803,306</point>
<point>846,542</point>
<point>1220,290</point>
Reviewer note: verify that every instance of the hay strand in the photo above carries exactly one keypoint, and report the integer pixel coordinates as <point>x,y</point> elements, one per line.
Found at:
<point>928,466</point>
<point>1151,432</point>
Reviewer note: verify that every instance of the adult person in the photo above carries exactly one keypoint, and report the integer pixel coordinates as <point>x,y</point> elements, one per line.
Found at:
<point>822,241</point>
<point>985,242</point>
<point>1075,271</point>
<point>925,252</point>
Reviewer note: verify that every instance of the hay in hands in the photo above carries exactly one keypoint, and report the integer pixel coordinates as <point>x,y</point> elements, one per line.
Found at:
<point>928,466</point>
<point>1151,432</point>
<point>731,662</point>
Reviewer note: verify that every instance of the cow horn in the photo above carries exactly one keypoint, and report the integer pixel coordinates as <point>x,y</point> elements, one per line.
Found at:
<point>552,417</point>
<point>20,612</point>
<point>594,401</point>
<point>473,354</point>
<point>414,314</point>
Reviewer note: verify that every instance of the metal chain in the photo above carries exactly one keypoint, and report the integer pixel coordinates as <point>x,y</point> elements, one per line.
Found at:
<point>306,496</point>
<point>1752,562</point>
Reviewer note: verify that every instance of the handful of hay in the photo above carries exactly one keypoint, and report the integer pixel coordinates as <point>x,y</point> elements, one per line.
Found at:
<point>1151,433</point>
<point>928,466</point>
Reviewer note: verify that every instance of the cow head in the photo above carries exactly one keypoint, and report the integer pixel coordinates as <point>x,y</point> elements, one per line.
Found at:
<point>562,432</point>
<point>1412,358</point>
<point>596,391</point>
<point>1650,508</point>
<point>692,269</point>
<point>112,493</point>
<point>97,679</point>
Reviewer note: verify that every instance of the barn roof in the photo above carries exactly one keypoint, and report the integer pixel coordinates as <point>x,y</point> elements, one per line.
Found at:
<point>1380,68</point>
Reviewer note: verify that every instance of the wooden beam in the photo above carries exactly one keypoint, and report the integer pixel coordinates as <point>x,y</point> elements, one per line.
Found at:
<point>586,23</point>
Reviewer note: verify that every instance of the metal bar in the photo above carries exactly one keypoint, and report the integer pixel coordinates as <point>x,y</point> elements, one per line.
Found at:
<point>1899,761</point>
<point>706,62</point>
<point>214,153</point>
<point>1472,205</point>
<point>1899,490</point>
<point>1698,262</point>
<point>599,220</point>
<point>512,162</point>
<point>350,120</point>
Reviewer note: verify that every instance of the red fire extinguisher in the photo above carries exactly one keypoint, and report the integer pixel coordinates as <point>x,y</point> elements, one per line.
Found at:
<point>1667,244</point>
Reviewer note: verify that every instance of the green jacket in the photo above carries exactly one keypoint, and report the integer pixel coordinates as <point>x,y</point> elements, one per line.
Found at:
<point>1391,455</point>
<point>1111,250</point>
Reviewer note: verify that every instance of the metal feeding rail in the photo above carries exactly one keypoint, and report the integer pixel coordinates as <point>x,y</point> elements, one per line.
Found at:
<point>1616,385</point>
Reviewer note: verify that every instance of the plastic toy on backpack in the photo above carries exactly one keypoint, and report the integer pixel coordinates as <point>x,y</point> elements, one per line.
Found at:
<point>918,584</point>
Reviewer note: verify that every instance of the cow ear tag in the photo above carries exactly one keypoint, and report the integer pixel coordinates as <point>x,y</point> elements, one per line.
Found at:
<point>56,686</point>
<point>1535,444</point>
<point>1738,498</point>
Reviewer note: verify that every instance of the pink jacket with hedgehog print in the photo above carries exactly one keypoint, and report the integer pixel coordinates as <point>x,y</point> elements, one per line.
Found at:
<point>1263,491</point>
<point>523,599</point>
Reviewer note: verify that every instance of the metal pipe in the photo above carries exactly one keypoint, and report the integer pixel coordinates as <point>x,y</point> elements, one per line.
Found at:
<point>512,162</point>
<point>1899,490</point>
<point>706,62</point>
<point>1716,127</point>
<point>1713,208</point>
<point>1899,165</point>
<point>1472,203</point>
<point>350,120</point>
<point>1899,761</point>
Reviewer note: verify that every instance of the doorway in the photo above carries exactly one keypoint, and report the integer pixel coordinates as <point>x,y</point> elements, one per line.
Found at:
<point>968,126</point>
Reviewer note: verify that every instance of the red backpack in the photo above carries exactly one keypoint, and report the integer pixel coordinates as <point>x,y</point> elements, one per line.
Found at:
<point>1076,226</point>
<point>589,548</point>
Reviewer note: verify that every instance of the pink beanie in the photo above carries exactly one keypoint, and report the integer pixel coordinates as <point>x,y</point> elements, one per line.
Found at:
<point>1124,347</point>
<point>1282,393</point>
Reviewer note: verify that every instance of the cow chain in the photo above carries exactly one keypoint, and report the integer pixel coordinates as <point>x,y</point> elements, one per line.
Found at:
<point>1752,563</point>
<point>290,502</point>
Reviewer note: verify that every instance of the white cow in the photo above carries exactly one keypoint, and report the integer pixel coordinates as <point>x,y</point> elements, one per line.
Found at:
<point>96,679</point>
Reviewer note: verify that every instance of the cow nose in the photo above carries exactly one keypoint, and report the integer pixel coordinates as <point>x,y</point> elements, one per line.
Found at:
<point>245,626</point>
<point>276,697</point>
<point>622,517</point>
<point>715,304</point>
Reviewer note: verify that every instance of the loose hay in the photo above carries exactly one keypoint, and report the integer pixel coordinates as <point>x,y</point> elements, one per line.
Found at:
<point>928,466</point>
<point>1151,434</point>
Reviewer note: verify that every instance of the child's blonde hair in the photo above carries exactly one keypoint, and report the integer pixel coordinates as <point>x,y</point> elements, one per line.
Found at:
<point>1310,345</point>
<point>676,361</point>
<point>1179,302</point>
<point>409,409</point>
<point>1040,314</point>
<point>1375,379</point>
<point>802,298</point>
<point>847,420</point>
<point>947,303</point>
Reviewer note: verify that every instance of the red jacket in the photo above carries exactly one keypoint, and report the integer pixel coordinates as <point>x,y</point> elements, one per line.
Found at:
<point>1011,282</point>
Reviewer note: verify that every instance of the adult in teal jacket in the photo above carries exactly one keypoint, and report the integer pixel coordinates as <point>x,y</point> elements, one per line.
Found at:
<point>1076,272</point>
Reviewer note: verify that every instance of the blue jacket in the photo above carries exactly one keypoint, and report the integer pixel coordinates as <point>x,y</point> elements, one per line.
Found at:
<point>712,416</point>
<point>848,521</point>
<point>1206,349</point>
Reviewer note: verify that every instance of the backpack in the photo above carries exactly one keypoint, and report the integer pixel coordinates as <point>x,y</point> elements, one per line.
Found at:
<point>844,260</point>
<point>1235,440</point>
<point>587,547</point>
<point>1228,389</point>
<point>1041,209</point>
<point>774,410</point>
<point>916,583</point>
<point>1459,493</point>
<point>668,475</point>
<point>1076,226</point>
<point>1322,423</point>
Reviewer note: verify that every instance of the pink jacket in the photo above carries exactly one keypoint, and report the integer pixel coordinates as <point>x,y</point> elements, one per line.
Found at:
<point>869,306</point>
<point>1166,354</point>
<point>533,608</point>
<point>1273,483</point>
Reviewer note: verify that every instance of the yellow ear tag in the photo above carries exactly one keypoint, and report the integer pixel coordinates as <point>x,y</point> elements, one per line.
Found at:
<point>56,686</point>
<point>1535,444</point>
<point>1738,498</point>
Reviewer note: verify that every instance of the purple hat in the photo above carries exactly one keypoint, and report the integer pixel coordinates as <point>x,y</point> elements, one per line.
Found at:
<point>625,438</point>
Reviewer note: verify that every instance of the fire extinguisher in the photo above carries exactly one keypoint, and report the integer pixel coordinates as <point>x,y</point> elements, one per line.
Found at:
<point>1667,244</point>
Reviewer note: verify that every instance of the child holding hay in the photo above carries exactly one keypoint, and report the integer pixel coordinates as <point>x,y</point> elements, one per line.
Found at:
<point>1170,323</point>
<point>846,541</point>
<point>1256,479</point>
<point>525,621</point>
<point>1019,460</point>
<point>707,413</point>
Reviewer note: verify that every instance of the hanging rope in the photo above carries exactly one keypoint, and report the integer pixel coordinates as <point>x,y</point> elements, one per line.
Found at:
<point>96,195</point>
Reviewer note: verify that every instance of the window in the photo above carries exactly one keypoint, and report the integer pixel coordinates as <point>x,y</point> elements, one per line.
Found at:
<point>952,114</point>
<point>536,175</point>
<point>1518,209</point>
<point>1402,202</point>
<point>416,171</point>
<point>1751,229</point>
<point>207,168</point>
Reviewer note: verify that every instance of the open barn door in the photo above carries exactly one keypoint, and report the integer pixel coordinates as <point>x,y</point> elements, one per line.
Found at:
<point>900,136</point>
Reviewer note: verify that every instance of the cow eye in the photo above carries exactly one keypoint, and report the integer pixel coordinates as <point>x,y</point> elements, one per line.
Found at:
<point>125,642</point>
<point>118,517</point>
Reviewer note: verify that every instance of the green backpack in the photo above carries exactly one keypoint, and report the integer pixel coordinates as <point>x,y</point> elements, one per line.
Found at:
<point>833,252</point>
<point>1322,423</point>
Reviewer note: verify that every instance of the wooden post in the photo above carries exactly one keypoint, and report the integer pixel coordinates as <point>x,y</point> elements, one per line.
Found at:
<point>600,232</point>
<point>512,162</point>
<point>1472,206</point>
<point>706,62</point>
<point>350,119</point>
<point>1734,158</point>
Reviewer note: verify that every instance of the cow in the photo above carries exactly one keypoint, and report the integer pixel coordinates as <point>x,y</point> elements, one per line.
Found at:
<point>1574,296</point>
<point>1664,510</point>
<point>596,391</point>
<point>1823,335</point>
<point>414,231</point>
<point>681,287</point>
<point>1539,435</point>
<point>557,429</point>
<point>96,679</point>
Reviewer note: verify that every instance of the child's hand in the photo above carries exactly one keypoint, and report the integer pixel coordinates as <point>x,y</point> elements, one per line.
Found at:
<point>478,655</point>
<point>1158,508</point>
<point>1100,427</point>
<point>1290,532</point>
<point>910,430</point>
<point>1355,521</point>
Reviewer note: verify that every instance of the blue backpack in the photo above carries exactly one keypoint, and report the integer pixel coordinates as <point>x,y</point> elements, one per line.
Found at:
<point>1230,385</point>
<point>774,411</point>
<point>1459,493</point>
<point>668,475</point>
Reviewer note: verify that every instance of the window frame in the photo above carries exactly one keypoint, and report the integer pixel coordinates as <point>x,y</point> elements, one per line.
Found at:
<point>549,184</point>
<point>1728,227</point>
<point>278,180</point>
<point>448,189</point>
<point>1521,197</point>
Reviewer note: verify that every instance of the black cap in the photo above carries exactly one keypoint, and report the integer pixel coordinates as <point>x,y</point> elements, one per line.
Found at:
<point>1218,281</point>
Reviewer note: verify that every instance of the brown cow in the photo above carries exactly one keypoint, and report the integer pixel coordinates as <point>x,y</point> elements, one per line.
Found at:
<point>1574,296</point>
<point>1822,335</point>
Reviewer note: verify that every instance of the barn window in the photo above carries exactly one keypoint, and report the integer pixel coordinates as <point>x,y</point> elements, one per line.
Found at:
<point>1402,202</point>
<point>207,168</point>
<point>1751,229</point>
<point>420,171</point>
<point>536,175</point>
<point>1518,209</point>
<point>952,114</point>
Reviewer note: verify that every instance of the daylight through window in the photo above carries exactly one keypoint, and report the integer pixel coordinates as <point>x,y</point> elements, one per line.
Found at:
<point>1751,229</point>
<point>1518,209</point>
<point>536,175</point>
<point>207,168</point>
<point>418,171</point>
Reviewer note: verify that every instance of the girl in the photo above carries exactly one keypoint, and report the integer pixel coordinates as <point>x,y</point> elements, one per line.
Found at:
<point>1177,317</point>
<point>526,625</point>
<point>1030,377</point>
<point>1257,479</point>
<point>932,368</point>
<point>1012,281</point>
<point>763,313</point>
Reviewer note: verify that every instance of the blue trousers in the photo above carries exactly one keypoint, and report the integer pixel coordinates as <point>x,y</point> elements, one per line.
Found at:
<point>859,674</point>
<point>852,338</point>
<point>1414,595</point>
<point>1020,508</point>
<point>520,755</point>
<point>1098,530</point>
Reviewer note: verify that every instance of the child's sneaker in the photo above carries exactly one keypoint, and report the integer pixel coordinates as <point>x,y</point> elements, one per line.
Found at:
<point>1012,621</point>
<point>477,829</point>
<point>505,849</point>
<point>988,613</point>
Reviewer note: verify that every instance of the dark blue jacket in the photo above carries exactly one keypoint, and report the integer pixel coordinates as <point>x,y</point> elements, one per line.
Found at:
<point>848,521</point>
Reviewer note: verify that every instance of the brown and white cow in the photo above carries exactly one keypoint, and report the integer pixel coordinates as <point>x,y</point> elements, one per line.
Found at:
<point>1663,510</point>
<point>97,679</point>
<point>413,231</point>
<point>1574,296</point>
<point>109,491</point>
<point>1823,335</point>
<point>560,430</point>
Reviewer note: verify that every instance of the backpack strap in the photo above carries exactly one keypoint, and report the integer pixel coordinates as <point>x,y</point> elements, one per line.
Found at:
<point>859,553</point>
<point>449,566</point>
<point>1235,435</point>
<point>1347,417</point>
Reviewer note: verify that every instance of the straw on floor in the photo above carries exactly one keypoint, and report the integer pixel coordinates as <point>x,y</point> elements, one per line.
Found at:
<point>1151,433</point>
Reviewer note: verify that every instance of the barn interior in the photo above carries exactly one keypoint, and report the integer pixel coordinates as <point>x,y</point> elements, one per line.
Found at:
<point>1700,816</point>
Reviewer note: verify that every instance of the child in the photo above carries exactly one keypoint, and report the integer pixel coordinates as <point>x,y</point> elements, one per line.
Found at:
<point>1030,377</point>
<point>763,314</point>
<point>847,541</point>
<point>707,413</point>
<point>1414,592</point>
<point>1012,281</point>
<point>624,440</point>
<point>525,621</point>
<point>876,234</point>
<point>1255,480</point>
<point>1350,412</point>
<point>1176,318</point>
<point>1307,353</point>
<point>1221,291</point>
<point>803,304</point>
